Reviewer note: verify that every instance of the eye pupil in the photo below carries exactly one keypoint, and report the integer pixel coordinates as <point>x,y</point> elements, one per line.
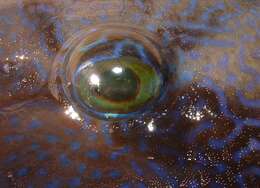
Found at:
<point>119,84</point>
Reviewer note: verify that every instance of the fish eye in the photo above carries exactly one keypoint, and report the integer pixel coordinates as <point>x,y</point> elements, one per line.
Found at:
<point>111,71</point>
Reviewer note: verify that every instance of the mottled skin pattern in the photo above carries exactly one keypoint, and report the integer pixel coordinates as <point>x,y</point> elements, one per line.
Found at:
<point>215,63</point>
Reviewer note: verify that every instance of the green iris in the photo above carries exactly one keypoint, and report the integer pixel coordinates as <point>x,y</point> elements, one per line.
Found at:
<point>121,85</point>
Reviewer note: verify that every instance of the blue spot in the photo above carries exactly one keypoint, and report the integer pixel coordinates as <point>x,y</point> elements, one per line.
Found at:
<point>22,172</point>
<point>140,4</point>
<point>64,160</point>
<point>35,124</point>
<point>194,55</point>
<point>189,10</point>
<point>92,136</point>
<point>114,174</point>
<point>136,168</point>
<point>223,62</point>
<point>166,38</point>
<point>13,138</point>
<point>14,121</point>
<point>42,172</point>
<point>158,170</point>
<point>231,79</point>
<point>141,185</point>
<point>137,17</point>
<point>75,146</point>
<point>221,167</point>
<point>52,139</point>
<point>216,144</point>
<point>93,154</point>
<point>186,76</point>
<point>74,182</point>
<point>103,17</point>
<point>53,184</point>
<point>85,21</point>
<point>68,131</point>
<point>1,51</point>
<point>114,155</point>
<point>193,184</point>
<point>82,167</point>
<point>11,158</point>
<point>143,146</point>
<point>96,174</point>
<point>42,155</point>
<point>125,185</point>
<point>151,27</point>
<point>35,146</point>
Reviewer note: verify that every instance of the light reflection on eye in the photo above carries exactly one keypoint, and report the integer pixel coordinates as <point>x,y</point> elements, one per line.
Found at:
<point>204,132</point>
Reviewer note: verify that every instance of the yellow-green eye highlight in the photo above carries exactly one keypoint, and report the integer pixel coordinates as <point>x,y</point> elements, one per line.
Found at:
<point>110,72</point>
<point>121,85</point>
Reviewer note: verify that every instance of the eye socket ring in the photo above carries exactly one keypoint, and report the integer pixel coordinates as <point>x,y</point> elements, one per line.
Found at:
<point>114,42</point>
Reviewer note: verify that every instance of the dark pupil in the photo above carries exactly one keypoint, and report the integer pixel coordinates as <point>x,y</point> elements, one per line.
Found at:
<point>119,86</point>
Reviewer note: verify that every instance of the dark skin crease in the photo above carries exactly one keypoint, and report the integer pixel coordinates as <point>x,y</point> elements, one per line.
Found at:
<point>165,157</point>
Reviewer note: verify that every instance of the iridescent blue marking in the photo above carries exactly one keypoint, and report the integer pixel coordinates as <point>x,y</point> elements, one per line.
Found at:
<point>13,138</point>
<point>6,20</point>
<point>42,155</point>
<point>74,182</point>
<point>114,174</point>
<point>22,172</point>
<point>248,102</point>
<point>206,15</point>
<point>137,18</point>
<point>221,167</point>
<point>53,184</point>
<point>136,168</point>
<point>96,174</point>
<point>74,146</point>
<point>14,121</point>
<point>34,124</point>
<point>116,154</point>
<point>94,44</point>
<point>92,154</point>
<point>82,168</point>
<point>190,9</point>
<point>52,139</point>
<point>64,160</point>
<point>140,4</point>
<point>198,130</point>
<point>151,27</point>
<point>11,158</point>
<point>42,172</point>
<point>85,21</point>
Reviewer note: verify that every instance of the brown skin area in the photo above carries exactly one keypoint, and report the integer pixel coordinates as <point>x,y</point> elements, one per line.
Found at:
<point>51,112</point>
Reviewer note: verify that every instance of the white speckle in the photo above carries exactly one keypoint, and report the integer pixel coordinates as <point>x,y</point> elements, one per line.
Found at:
<point>72,113</point>
<point>117,70</point>
<point>94,80</point>
<point>151,126</point>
